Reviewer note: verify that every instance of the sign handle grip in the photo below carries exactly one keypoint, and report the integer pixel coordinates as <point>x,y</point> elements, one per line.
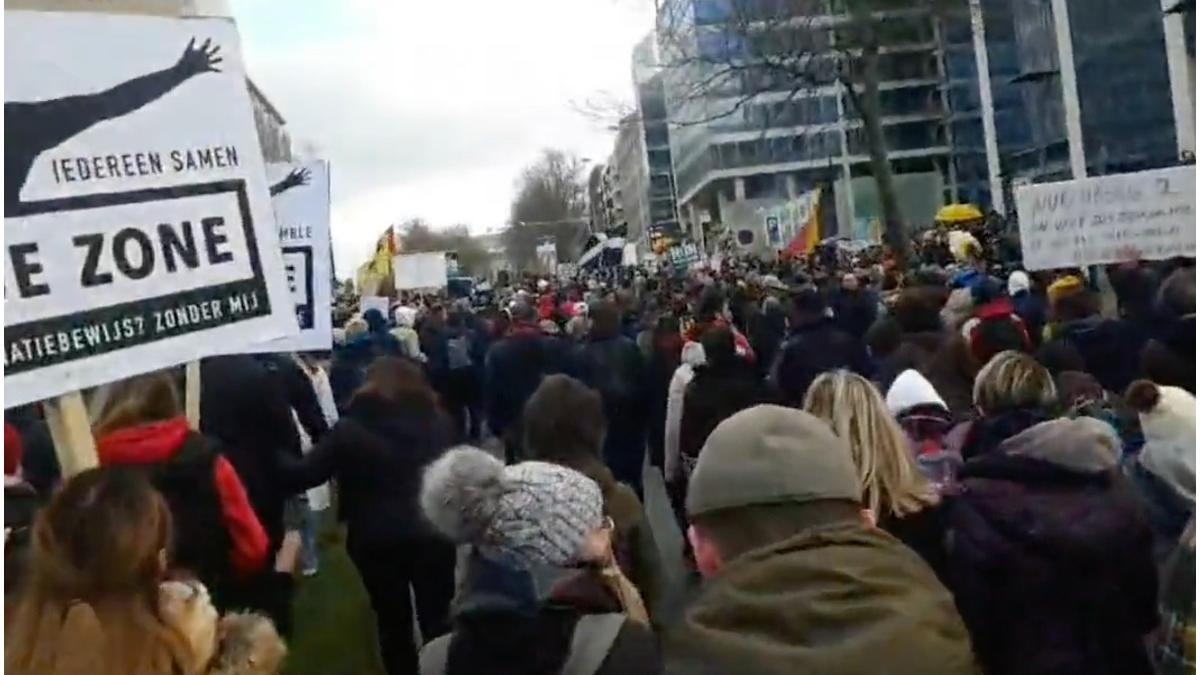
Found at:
<point>191,393</point>
<point>71,431</point>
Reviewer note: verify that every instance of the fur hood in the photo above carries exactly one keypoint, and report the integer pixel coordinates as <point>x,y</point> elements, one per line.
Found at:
<point>235,644</point>
<point>1083,445</point>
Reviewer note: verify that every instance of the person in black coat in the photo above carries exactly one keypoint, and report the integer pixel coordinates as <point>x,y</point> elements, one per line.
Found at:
<point>513,369</point>
<point>301,396</point>
<point>854,308</point>
<point>377,452</point>
<point>814,346</point>
<point>1110,348</point>
<point>245,408</point>
<point>665,353</point>
<point>723,386</point>
<point>767,331</point>
<point>1050,556</point>
<point>613,365</point>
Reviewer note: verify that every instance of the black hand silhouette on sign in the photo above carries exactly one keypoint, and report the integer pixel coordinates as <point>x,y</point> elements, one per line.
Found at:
<point>296,178</point>
<point>31,128</point>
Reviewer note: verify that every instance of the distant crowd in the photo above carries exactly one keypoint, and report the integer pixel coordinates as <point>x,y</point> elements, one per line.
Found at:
<point>949,466</point>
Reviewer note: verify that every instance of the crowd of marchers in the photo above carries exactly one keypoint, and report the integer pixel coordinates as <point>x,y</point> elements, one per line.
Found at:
<point>952,467</point>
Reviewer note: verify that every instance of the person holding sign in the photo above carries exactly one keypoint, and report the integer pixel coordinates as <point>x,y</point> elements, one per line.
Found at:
<point>139,422</point>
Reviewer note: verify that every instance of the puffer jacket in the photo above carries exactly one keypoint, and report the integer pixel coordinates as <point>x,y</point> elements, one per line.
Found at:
<point>1050,555</point>
<point>836,599</point>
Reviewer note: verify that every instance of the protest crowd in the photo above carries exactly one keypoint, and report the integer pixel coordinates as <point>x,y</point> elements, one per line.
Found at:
<point>957,466</point>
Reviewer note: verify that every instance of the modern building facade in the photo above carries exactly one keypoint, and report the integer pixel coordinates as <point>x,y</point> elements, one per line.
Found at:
<point>629,181</point>
<point>752,142</point>
<point>662,212</point>
<point>1005,88</point>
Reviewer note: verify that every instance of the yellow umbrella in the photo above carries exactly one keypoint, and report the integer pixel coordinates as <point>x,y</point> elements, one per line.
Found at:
<point>958,213</point>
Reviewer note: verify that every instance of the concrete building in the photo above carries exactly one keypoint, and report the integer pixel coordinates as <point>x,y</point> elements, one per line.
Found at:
<point>1017,115</point>
<point>660,189</point>
<point>781,140</point>
<point>629,184</point>
<point>272,128</point>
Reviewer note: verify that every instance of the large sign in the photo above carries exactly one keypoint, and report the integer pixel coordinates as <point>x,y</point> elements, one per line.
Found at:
<point>137,220</point>
<point>300,195</point>
<point>1095,221</point>
<point>413,271</point>
<point>547,254</point>
<point>684,256</point>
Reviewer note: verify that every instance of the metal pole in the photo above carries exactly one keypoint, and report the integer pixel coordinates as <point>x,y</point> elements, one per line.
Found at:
<point>1175,42</point>
<point>1070,90</point>
<point>983,73</point>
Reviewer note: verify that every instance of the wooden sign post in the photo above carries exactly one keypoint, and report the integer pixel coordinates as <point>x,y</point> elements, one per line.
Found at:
<point>71,430</point>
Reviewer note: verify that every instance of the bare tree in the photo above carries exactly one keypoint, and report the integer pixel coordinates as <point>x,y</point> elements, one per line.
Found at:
<point>551,201</point>
<point>418,236</point>
<point>790,49</point>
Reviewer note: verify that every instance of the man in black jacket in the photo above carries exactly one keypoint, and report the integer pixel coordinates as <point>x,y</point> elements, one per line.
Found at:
<point>514,367</point>
<point>814,346</point>
<point>613,365</point>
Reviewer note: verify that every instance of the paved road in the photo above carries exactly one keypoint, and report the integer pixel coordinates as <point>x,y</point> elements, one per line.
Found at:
<point>669,540</point>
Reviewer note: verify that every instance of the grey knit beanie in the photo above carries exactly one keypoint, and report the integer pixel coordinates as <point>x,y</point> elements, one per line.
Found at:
<point>528,514</point>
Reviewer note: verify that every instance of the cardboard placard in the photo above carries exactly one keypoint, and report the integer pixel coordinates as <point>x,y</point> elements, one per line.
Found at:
<point>300,195</point>
<point>138,226</point>
<point>1095,221</point>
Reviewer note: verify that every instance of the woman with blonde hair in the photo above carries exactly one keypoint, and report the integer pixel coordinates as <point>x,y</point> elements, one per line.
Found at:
<point>899,497</point>
<point>97,600</point>
<point>1012,393</point>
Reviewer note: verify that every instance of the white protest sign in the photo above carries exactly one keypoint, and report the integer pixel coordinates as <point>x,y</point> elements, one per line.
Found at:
<point>138,226</point>
<point>413,271</point>
<point>368,302</point>
<point>547,254</point>
<point>300,194</point>
<point>1092,221</point>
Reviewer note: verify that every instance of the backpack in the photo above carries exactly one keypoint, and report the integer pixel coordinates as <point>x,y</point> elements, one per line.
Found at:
<point>458,352</point>
<point>591,641</point>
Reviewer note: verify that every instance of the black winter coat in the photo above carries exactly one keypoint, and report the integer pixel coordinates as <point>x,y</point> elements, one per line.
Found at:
<point>377,452</point>
<point>1051,565</point>
<point>299,391</point>
<point>514,368</point>
<point>246,409</point>
<point>714,395</point>
<point>1111,349</point>
<point>615,368</point>
<point>811,350</point>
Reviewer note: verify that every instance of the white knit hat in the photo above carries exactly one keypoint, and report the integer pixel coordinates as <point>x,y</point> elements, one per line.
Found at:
<point>526,514</point>
<point>910,390</point>
<point>1018,281</point>
<point>1169,427</point>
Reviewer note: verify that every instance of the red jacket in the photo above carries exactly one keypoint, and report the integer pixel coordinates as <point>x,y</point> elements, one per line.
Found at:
<point>164,443</point>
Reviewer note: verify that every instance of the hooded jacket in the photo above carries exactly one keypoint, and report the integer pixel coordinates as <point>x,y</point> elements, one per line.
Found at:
<point>1050,555</point>
<point>838,599</point>
<point>245,409</point>
<point>217,534</point>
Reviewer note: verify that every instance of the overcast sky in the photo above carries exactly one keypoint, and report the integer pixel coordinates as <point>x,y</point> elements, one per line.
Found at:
<point>431,108</point>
